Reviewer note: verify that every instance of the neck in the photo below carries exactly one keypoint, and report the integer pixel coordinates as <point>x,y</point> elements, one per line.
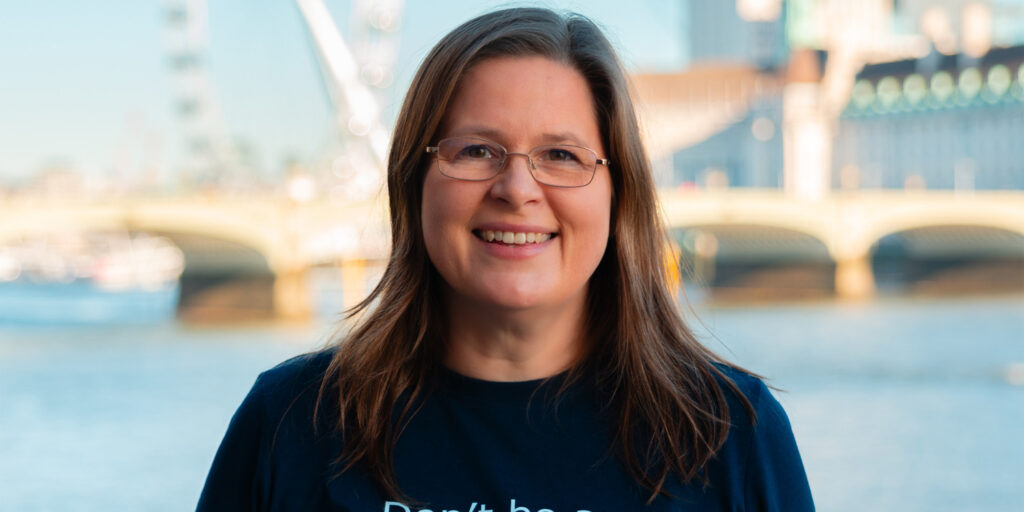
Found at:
<point>501,345</point>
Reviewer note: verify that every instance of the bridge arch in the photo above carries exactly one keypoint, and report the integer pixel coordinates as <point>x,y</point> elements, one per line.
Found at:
<point>244,223</point>
<point>911,225</point>
<point>244,249</point>
<point>950,258</point>
<point>743,261</point>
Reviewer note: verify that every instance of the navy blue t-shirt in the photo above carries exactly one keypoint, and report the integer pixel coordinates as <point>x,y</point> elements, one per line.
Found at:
<point>480,446</point>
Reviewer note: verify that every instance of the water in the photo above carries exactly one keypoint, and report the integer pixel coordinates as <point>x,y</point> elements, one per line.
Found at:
<point>81,303</point>
<point>897,405</point>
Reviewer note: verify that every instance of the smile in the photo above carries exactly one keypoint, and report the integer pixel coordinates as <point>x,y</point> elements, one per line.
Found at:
<point>512,237</point>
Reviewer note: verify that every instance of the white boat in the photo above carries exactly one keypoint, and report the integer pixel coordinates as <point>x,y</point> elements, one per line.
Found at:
<point>90,279</point>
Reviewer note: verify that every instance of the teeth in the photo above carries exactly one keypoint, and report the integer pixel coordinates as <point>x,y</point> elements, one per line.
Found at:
<point>510,237</point>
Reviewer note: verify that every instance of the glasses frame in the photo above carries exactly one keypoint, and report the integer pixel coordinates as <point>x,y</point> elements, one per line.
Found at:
<point>436,151</point>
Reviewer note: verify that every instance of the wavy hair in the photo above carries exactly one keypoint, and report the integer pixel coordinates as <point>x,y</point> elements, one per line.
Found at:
<point>664,390</point>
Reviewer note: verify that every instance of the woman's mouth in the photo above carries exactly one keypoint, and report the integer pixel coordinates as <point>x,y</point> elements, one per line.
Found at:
<point>512,237</point>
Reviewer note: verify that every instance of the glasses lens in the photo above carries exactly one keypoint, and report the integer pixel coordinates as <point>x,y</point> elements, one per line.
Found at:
<point>469,158</point>
<point>472,159</point>
<point>564,166</point>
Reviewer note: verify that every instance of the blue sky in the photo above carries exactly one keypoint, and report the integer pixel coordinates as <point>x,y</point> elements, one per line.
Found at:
<point>85,83</point>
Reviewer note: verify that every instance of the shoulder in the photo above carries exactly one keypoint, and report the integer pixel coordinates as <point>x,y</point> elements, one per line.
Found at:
<point>747,383</point>
<point>293,382</point>
<point>764,447</point>
<point>769,420</point>
<point>270,429</point>
<point>299,370</point>
<point>750,387</point>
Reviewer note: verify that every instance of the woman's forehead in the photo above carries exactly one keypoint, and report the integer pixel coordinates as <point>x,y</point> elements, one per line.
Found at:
<point>516,97</point>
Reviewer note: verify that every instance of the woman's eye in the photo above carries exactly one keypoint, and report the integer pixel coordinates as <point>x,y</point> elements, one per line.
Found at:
<point>560,155</point>
<point>477,152</point>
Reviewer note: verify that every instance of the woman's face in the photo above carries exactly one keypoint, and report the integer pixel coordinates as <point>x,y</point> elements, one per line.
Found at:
<point>520,103</point>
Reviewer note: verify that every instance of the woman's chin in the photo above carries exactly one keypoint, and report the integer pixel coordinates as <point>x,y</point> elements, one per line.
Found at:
<point>509,296</point>
<point>534,294</point>
<point>510,301</point>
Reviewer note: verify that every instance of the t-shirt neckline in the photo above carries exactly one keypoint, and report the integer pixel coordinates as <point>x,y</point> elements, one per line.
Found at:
<point>517,393</point>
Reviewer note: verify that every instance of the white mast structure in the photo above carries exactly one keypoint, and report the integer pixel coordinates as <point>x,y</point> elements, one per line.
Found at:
<point>374,26</point>
<point>854,33</point>
<point>210,155</point>
<point>351,80</point>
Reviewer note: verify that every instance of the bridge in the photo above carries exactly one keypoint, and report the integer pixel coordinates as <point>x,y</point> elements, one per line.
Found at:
<point>847,226</point>
<point>285,239</point>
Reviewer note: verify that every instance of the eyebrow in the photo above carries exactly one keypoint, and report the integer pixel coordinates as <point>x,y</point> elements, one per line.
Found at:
<point>496,135</point>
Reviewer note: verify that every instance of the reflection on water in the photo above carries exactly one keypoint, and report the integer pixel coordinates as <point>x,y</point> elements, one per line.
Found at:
<point>897,405</point>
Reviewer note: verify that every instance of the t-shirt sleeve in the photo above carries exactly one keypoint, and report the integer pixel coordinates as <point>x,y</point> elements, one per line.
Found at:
<point>774,479</point>
<point>231,484</point>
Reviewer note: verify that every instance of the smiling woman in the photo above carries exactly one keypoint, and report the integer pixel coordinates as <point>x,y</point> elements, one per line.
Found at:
<point>498,282</point>
<point>522,351</point>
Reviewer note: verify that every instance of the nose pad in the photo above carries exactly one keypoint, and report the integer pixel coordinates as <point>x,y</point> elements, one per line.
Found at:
<point>530,166</point>
<point>529,161</point>
<point>515,186</point>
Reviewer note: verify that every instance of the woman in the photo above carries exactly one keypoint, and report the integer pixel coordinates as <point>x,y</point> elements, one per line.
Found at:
<point>522,352</point>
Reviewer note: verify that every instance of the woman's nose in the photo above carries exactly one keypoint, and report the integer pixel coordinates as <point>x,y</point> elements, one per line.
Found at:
<point>515,183</point>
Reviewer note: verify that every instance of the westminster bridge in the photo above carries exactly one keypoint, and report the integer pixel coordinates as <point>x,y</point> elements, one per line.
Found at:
<point>282,240</point>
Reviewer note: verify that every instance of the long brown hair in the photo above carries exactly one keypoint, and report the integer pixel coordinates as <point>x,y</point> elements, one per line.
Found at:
<point>664,392</point>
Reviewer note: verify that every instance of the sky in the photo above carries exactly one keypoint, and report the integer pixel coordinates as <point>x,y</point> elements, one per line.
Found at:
<point>85,85</point>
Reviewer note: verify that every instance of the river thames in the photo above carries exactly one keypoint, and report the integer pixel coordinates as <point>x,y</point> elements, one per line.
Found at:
<point>897,404</point>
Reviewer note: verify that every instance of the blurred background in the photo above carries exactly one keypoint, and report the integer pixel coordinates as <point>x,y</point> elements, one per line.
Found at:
<point>191,192</point>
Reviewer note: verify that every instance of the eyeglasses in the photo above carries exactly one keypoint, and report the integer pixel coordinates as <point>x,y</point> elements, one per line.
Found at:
<point>473,159</point>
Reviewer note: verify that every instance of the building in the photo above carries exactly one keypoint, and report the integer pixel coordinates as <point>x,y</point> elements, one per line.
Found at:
<point>951,118</point>
<point>941,122</point>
